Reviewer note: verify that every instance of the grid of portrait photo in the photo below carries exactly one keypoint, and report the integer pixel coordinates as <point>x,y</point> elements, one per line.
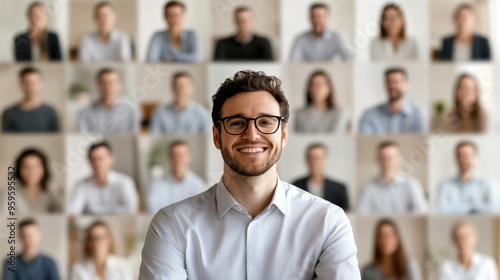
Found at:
<point>106,117</point>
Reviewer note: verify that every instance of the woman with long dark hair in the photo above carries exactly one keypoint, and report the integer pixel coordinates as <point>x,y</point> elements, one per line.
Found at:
<point>467,114</point>
<point>322,113</point>
<point>32,189</point>
<point>390,261</point>
<point>393,42</point>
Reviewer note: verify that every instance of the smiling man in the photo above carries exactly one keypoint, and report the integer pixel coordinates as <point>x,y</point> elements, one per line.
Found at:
<point>250,225</point>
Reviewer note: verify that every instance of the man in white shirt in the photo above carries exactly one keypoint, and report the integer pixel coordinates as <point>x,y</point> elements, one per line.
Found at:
<point>468,192</point>
<point>111,113</point>
<point>391,192</point>
<point>320,44</point>
<point>468,264</point>
<point>106,43</point>
<point>106,191</point>
<point>250,225</point>
<point>179,184</point>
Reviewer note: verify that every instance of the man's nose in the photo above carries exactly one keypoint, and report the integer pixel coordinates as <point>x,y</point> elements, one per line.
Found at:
<point>251,132</point>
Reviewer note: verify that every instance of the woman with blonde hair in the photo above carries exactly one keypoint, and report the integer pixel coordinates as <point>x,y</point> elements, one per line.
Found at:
<point>100,263</point>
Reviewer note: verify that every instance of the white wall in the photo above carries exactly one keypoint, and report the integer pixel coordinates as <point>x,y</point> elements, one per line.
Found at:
<point>151,19</point>
<point>368,15</point>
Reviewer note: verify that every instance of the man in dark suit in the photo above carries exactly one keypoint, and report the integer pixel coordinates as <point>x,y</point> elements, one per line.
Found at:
<point>465,44</point>
<point>317,183</point>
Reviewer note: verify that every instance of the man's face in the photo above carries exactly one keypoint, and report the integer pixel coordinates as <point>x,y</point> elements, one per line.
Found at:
<point>389,159</point>
<point>109,86</point>
<point>244,22</point>
<point>251,153</point>
<point>319,19</point>
<point>180,158</point>
<point>31,85</point>
<point>183,88</point>
<point>30,237</point>
<point>466,158</point>
<point>465,239</point>
<point>105,19</point>
<point>101,160</point>
<point>316,160</point>
<point>174,16</point>
<point>396,86</point>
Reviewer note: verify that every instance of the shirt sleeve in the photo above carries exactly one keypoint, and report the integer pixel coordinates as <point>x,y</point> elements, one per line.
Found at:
<point>126,48</point>
<point>417,195</point>
<point>53,274</point>
<point>54,121</point>
<point>162,257</point>
<point>154,50</point>
<point>194,49</point>
<point>77,203</point>
<point>296,54</point>
<point>219,53</point>
<point>155,124</point>
<point>5,122</point>
<point>345,46</point>
<point>365,125</point>
<point>364,202</point>
<point>268,50</point>
<point>130,198</point>
<point>84,51</point>
<point>338,258</point>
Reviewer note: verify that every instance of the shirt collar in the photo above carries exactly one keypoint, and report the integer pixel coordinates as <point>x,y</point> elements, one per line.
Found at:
<point>226,201</point>
<point>397,179</point>
<point>111,177</point>
<point>327,34</point>
<point>406,109</point>
<point>475,179</point>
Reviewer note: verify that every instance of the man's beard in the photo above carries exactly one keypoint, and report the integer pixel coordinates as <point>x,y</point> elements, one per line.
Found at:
<point>393,99</point>
<point>250,170</point>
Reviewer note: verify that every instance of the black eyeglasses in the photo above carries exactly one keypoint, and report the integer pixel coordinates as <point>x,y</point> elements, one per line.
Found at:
<point>238,125</point>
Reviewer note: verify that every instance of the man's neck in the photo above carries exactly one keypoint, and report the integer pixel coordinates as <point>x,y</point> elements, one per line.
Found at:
<point>396,106</point>
<point>253,193</point>
<point>179,175</point>
<point>30,103</point>
<point>319,32</point>
<point>101,178</point>
<point>29,255</point>
<point>104,35</point>
<point>465,260</point>
<point>180,104</point>
<point>109,103</point>
<point>317,178</point>
<point>244,37</point>
<point>388,177</point>
<point>467,175</point>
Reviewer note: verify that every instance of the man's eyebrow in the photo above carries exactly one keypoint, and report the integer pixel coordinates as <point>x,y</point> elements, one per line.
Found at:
<point>243,115</point>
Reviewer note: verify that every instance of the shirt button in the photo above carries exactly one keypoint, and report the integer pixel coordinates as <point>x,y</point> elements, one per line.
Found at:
<point>251,269</point>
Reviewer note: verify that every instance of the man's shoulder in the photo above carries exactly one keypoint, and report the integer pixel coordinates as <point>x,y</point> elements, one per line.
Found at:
<point>305,201</point>
<point>191,205</point>
<point>12,109</point>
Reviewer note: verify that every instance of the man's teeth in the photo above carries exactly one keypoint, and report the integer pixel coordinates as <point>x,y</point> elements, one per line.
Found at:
<point>252,150</point>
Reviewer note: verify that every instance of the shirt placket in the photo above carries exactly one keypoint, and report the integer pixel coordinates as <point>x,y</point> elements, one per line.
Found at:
<point>252,245</point>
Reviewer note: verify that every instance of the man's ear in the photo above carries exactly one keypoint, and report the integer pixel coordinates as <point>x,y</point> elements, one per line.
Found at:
<point>284,135</point>
<point>216,137</point>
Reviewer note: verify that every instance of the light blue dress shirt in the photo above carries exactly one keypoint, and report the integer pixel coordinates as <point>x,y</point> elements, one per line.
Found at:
<point>160,48</point>
<point>331,45</point>
<point>192,119</point>
<point>123,117</point>
<point>168,190</point>
<point>379,120</point>
<point>117,48</point>
<point>211,236</point>
<point>402,195</point>
<point>480,195</point>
